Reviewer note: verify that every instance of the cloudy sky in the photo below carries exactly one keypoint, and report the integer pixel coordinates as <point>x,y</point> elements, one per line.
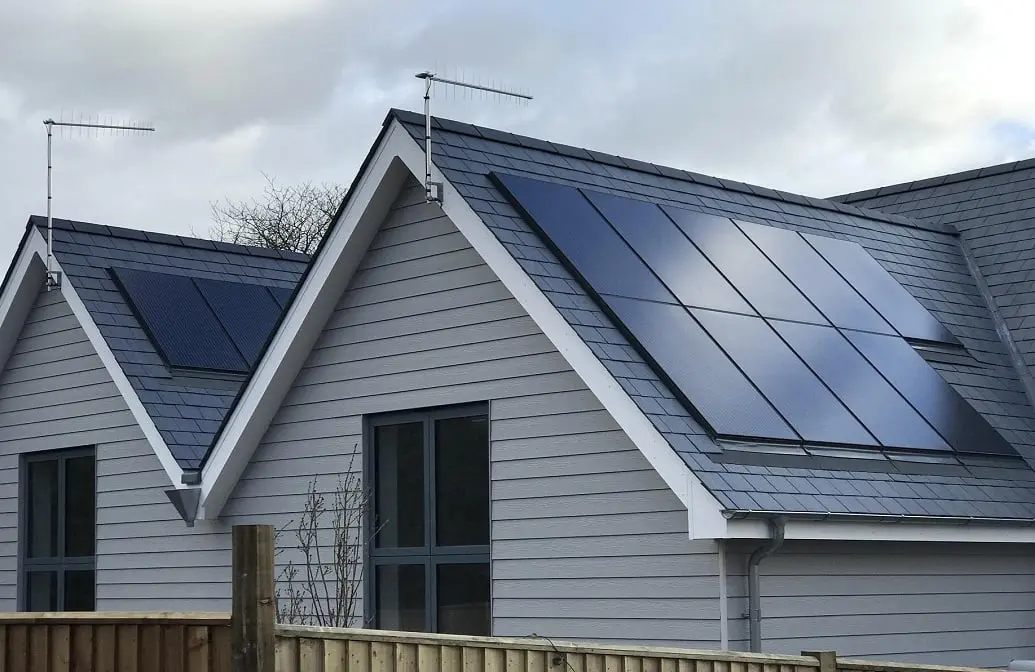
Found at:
<point>804,95</point>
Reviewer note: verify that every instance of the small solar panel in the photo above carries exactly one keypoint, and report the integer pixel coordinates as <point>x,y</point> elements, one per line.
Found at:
<point>581,236</point>
<point>754,276</point>
<point>882,291</point>
<point>816,279</point>
<point>699,370</point>
<point>179,322</point>
<point>870,397</point>
<point>810,408</point>
<point>248,313</point>
<point>669,253</point>
<point>949,413</point>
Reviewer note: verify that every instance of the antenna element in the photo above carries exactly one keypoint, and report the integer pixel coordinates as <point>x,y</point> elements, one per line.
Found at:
<point>54,277</point>
<point>433,189</point>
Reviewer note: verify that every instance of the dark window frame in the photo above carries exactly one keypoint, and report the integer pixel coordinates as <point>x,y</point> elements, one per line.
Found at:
<point>429,555</point>
<point>58,563</point>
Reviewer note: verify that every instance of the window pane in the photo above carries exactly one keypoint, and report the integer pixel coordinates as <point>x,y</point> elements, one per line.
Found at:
<point>79,590</point>
<point>400,597</point>
<point>41,591</point>
<point>42,509</point>
<point>462,481</point>
<point>399,480</point>
<point>463,599</point>
<point>79,507</point>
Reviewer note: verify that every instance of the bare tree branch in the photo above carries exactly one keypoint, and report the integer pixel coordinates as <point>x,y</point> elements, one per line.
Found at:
<point>293,217</point>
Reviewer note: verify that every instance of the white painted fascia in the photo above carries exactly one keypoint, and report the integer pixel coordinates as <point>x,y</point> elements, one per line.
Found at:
<point>26,281</point>
<point>243,431</point>
<point>898,530</point>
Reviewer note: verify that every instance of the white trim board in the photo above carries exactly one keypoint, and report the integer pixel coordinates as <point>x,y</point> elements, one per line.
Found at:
<point>398,157</point>
<point>904,530</point>
<point>25,284</point>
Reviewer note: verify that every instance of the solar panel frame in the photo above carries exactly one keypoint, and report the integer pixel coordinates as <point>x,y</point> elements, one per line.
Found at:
<point>178,321</point>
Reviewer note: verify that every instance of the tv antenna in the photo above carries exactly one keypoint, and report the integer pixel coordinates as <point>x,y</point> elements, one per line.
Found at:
<point>433,189</point>
<point>53,277</point>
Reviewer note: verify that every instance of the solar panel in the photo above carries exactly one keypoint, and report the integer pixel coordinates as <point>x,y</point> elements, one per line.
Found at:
<point>884,293</point>
<point>580,235</point>
<point>810,408</point>
<point>820,283</point>
<point>179,322</point>
<point>248,313</point>
<point>282,295</point>
<point>699,370</point>
<point>754,276</point>
<point>669,253</point>
<point>860,387</point>
<point>955,419</point>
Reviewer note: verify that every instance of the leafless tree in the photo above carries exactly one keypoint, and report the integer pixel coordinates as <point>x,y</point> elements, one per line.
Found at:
<point>293,217</point>
<point>323,587</point>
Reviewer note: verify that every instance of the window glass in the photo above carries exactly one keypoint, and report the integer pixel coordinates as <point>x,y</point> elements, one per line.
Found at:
<point>79,590</point>
<point>463,599</point>
<point>41,591</point>
<point>79,507</point>
<point>462,481</point>
<point>400,597</point>
<point>42,513</point>
<point>399,477</point>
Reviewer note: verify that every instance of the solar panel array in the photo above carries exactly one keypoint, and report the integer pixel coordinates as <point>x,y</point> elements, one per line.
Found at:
<point>200,323</point>
<point>766,333</point>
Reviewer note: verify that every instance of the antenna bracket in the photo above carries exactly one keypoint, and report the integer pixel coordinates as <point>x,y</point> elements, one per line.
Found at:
<point>53,279</point>
<point>433,192</point>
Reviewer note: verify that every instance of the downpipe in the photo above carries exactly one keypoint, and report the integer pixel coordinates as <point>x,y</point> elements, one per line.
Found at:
<point>776,531</point>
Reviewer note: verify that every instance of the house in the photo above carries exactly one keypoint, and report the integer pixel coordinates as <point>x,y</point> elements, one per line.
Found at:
<point>594,398</point>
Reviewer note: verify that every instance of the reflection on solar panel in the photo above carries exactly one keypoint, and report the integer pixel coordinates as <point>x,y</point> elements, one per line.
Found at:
<point>785,376</point>
<point>248,313</point>
<point>199,323</point>
<point>876,285</point>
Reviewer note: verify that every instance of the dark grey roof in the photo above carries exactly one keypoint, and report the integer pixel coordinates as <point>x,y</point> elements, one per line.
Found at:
<point>993,209</point>
<point>188,410</point>
<point>924,257</point>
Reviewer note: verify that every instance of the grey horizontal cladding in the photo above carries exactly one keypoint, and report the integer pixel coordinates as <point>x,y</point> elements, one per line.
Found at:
<point>951,604</point>
<point>928,263</point>
<point>419,326</point>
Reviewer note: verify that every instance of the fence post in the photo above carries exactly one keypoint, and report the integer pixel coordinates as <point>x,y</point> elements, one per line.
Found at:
<point>827,659</point>
<point>253,614</point>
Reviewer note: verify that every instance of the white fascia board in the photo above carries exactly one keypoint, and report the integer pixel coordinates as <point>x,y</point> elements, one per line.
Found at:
<point>899,530</point>
<point>27,277</point>
<point>27,280</point>
<point>350,236</point>
<point>322,289</point>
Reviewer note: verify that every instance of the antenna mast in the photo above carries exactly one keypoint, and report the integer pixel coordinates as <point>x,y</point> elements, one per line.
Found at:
<point>433,190</point>
<point>53,277</point>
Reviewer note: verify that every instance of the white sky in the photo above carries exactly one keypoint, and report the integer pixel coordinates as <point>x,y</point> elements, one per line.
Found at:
<point>811,96</point>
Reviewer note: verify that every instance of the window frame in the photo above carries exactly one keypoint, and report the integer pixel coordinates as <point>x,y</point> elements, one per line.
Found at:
<point>429,555</point>
<point>60,563</point>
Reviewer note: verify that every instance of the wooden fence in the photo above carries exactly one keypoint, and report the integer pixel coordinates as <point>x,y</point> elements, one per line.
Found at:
<point>249,640</point>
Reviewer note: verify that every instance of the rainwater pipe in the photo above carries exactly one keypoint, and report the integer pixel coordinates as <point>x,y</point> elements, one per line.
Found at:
<point>776,530</point>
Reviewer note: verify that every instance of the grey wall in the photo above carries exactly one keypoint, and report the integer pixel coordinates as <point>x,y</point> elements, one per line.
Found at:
<point>956,604</point>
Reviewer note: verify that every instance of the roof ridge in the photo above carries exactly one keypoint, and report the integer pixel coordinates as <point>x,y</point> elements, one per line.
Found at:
<point>176,240</point>
<point>495,135</point>
<point>937,180</point>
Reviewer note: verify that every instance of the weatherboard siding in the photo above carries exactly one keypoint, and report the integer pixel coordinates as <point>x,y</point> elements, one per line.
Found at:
<point>587,541</point>
<point>954,604</point>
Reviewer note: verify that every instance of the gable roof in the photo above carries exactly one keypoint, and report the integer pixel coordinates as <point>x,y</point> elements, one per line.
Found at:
<point>186,407</point>
<point>924,257</point>
<point>993,209</point>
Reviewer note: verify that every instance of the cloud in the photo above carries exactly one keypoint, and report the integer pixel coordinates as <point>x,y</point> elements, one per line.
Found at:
<point>799,95</point>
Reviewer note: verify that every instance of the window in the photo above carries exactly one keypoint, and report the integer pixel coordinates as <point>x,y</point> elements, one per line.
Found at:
<point>57,531</point>
<point>429,549</point>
